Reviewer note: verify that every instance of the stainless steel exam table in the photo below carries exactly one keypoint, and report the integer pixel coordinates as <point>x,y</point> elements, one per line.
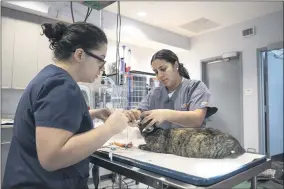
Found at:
<point>153,179</point>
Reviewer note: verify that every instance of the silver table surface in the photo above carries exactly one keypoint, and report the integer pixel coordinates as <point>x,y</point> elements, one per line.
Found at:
<point>157,181</point>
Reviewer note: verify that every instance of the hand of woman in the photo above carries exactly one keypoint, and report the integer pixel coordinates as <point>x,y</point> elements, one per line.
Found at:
<point>102,114</point>
<point>133,115</point>
<point>157,116</point>
<point>117,121</point>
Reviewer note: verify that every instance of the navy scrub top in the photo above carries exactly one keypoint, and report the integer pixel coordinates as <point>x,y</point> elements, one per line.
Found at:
<point>52,99</point>
<point>189,96</point>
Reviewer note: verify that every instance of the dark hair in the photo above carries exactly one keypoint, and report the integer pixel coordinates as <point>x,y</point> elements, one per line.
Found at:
<point>65,39</point>
<point>171,58</point>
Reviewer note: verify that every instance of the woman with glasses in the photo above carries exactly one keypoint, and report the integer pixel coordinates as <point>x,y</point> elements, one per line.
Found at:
<point>53,128</point>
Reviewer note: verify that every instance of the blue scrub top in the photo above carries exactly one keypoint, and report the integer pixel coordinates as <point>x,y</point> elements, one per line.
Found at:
<point>52,99</point>
<point>188,96</point>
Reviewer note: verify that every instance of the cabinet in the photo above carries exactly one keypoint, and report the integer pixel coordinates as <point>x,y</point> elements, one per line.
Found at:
<point>7,133</point>
<point>5,147</point>
<point>27,32</point>
<point>8,32</point>
<point>24,51</point>
<point>20,38</point>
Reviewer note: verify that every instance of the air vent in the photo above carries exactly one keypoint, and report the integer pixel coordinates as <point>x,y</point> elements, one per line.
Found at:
<point>248,32</point>
<point>200,25</point>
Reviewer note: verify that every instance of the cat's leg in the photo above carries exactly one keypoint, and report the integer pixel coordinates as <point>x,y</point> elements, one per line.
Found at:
<point>143,147</point>
<point>152,147</point>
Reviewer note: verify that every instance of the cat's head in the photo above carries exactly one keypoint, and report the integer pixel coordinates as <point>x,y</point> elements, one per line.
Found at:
<point>142,126</point>
<point>153,132</point>
<point>153,136</point>
<point>147,131</point>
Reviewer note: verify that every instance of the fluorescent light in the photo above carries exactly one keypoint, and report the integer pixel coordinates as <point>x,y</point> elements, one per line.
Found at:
<point>142,14</point>
<point>37,6</point>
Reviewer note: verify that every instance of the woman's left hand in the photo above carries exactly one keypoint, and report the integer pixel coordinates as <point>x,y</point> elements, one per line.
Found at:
<point>156,116</point>
<point>102,114</point>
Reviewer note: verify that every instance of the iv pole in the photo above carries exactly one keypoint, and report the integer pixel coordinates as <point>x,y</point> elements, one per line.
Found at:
<point>101,26</point>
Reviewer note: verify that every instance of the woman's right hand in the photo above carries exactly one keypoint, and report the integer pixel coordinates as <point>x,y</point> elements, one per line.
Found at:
<point>117,121</point>
<point>133,115</point>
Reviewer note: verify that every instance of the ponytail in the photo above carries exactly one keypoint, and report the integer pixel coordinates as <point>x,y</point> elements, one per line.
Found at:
<point>183,71</point>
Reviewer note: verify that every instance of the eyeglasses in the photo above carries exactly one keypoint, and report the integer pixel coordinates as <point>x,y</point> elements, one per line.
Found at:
<point>96,57</point>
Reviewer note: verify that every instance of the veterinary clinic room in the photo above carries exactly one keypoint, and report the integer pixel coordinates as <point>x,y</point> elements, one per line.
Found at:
<point>157,94</point>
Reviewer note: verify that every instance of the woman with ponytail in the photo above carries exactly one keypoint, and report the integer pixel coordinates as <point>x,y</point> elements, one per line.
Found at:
<point>54,134</point>
<point>179,102</point>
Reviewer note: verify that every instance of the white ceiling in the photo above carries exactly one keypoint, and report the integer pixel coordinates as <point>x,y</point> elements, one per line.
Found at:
<point>129,35</point>
<point>171,15</point>
<point>127,39</point>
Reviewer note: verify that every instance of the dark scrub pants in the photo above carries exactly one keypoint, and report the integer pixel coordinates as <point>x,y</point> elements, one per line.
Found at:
<point>189,96</point>
<point>52,99</point>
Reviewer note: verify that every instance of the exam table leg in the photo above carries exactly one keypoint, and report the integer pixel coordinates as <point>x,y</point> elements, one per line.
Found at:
<point>119,181</point>
<point>96,176</point>
<point>253,183</point>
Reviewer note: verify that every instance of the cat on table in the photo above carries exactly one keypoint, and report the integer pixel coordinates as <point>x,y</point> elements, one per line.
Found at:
<point>191,142</point>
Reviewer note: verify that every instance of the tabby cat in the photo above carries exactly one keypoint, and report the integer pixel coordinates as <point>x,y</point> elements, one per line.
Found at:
<point>192,142</point>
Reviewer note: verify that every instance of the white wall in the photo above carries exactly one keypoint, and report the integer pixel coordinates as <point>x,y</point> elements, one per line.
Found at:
<point>186,59</point>
<point>139,58</point>
<point>269,29</point>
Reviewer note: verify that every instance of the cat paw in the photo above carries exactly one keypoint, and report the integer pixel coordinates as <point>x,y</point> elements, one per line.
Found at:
<point>142,146</point>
